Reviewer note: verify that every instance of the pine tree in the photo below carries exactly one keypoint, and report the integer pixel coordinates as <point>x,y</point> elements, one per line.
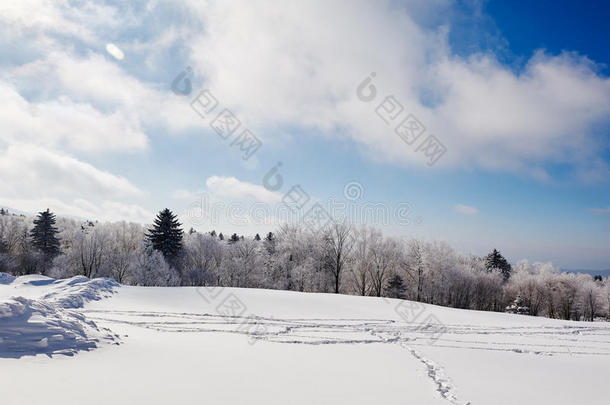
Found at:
<point>257,237</point>
<point>269,243</point>
<point>213,233</point>
<point>495,260</point>
<point>44,234</point>
<point>166,234</point>
<point>395,288</point>
<point>234,238</point>
<point>221,236</point>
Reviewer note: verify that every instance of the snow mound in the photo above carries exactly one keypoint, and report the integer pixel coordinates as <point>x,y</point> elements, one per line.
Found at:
<point>76,291</point>
<point>6,278</point>
<point>32,280</point>
<point>39,314</point>
<point>29,327</point>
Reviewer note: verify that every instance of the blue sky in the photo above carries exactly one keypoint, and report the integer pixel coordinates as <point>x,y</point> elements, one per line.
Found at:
<point>517,92</point>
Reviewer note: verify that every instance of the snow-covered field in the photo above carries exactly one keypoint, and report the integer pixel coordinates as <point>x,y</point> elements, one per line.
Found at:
<point>81,341</point>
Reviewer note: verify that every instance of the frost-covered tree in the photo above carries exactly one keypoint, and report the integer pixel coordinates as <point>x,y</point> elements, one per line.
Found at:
<point>339,244</point>
<point>495,260</point>
<point>590,298</point>
<point>149,268</point>
<point>124,241</point>
<point>203,256</point>
<point>362,261</point>
<point>384,259</point>
<point>166,235</point>
<point>413,264</point>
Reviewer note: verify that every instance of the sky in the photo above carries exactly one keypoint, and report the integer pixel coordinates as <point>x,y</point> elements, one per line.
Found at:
<point>482,123</point>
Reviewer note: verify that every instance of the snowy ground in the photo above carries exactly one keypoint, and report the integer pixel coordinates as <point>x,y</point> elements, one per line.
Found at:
<point>138,345</point>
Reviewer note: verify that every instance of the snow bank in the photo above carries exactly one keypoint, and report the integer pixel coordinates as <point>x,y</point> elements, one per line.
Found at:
<point>37,315</point>
<point>76,291</point>
<point>6,278</point>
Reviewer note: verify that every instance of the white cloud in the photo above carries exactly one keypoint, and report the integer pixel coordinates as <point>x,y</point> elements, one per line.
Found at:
<point>466,209</point>
<point>281,63</point>
<point>62,121</point>
<point>292,64</point>
<point>32,171</point>
<point>234,188</point>
<point>100,82</point>
<point>82,209</point>
<point>35,178</point>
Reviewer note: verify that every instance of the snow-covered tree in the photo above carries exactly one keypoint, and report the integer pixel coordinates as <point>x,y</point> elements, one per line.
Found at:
<point>166,234</point>
<point>44,235</point>
<point>149,268</point>
<point>495,260</point>
<point>395,287</point>
<point>339,244</point>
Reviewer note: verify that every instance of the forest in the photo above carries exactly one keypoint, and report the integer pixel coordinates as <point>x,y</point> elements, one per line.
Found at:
<point>341,258</point>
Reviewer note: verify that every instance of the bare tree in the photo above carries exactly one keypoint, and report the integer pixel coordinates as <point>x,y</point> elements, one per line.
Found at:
<point>339,243</point>
<point>384,258</point>
<point>125,239</point>
<point>91,247</point>
<point>413,264</point>
<point>361,266</point>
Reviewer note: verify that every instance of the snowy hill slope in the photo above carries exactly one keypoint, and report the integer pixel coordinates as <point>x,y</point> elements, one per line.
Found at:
<point>232,346</point>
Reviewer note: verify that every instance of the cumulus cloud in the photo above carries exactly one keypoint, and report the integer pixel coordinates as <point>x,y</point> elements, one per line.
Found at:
<point>285,64</point>
<point>234,188</point>
<point>82,209</point>
<point>101,83</point>
<point>63,121</point>
<point>466,209</point>
<point>282,63</point>
<point>34,178</point>
<point>33,171</point>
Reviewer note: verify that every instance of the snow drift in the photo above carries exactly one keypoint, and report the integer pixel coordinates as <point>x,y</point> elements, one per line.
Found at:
<point>37,315</point>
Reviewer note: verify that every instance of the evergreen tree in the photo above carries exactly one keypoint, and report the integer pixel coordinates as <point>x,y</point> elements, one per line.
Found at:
<point>395,288</point>
<point>166,234</point>
<point>269,243</point>
<point>234,238</point>
<point>495,260</point>
<point>257,237</point>
<point>221,236</point>
<point>213,233</point>
<point>44,234</point>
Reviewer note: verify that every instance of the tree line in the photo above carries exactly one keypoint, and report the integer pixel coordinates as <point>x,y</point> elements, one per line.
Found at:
<point>340,258</point>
